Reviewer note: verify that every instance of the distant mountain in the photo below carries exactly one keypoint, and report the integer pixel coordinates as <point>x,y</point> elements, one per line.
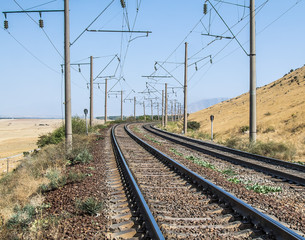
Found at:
<point>205,103</point>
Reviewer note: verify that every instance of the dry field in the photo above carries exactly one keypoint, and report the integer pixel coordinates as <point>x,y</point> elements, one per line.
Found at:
<point>20,135</point>
<point>280,113</point>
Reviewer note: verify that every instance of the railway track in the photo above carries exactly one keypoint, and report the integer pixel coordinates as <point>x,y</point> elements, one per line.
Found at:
<point>287,171</point>
<point>173,202</point>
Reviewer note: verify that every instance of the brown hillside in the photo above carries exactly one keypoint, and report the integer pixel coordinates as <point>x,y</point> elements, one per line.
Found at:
<point>280,113</point>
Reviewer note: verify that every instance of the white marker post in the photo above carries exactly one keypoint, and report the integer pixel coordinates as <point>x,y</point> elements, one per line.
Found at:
<point>86,112</point>
<point>212,119</point>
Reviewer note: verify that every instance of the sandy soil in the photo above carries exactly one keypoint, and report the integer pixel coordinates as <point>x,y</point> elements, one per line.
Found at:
<point>19,135</point>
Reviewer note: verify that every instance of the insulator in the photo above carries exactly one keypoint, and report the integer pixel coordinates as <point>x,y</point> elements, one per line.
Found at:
<point>98,86</point>
<point>40,23</point>
<point>87,86</point>
<point>196,68</point>
<point>116,96</point>
<point>211,61</point>
<point>205,9</point>
<point>5,24</point>
<point>123,3</point>
<point>79,68</point>
<point>108,96</point>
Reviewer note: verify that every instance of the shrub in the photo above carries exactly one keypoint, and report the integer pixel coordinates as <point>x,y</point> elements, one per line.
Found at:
<point>273,149</point>
<point>57,180</point>
<point>267,114</point>
<point>90,206</point>
<point>82,157</point>
<point>26,154</point>
<point>52,138</point>
<point>269,149</point>
<point>202,135</point>
<point>22,217</point>
<point>75,176</point>
<point>193,125</point>
<point>244,129</point>
<point>57,136</point>
<point>233,142</point>
<point>269,129</point>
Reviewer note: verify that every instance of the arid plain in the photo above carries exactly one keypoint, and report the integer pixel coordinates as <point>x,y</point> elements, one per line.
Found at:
<point>20,135</point>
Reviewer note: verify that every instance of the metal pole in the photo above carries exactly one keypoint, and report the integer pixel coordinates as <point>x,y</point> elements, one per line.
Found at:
<point>121,105</point>
<point>86,124</point>
<point>144,111</point>
<point>105,100</point>
<point>175,111</point>
<point>211,130</point>
<point>180,111</point>
<point>135,101</point>
<point>165,118</point>
<point>185,92</point>
<point>252,73</point>
<point>162,108</point>
<point>152,114</point>
<point>68,118</point>
<point>91,91</point>
<point>158,111</point>
<point>172,115</point>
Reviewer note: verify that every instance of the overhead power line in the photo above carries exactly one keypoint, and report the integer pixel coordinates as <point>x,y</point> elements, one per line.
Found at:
<point>39,24</point>
<point>28,51</point>
<point>92,22</point>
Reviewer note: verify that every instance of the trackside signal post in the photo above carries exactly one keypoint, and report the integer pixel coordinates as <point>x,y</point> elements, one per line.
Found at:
<point>86,112</point>
<point>212,119</point>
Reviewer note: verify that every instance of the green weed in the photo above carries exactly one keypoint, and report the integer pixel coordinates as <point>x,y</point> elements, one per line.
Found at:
<point>152,139</point>
<point>22,217</point>
<point>229,172</point>
<point>200,162</point>
<point>263,189</point>
<point>90,206</point>
<point>234,180</point>
<point>83,157</point>
<point>173,150</point>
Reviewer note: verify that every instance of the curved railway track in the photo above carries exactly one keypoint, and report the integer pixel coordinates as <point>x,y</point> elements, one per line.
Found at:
<point>173,202</point>
<point>287,171</point>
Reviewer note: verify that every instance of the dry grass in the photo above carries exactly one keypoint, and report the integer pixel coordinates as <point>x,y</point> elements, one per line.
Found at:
<point>280,114</point>
<point>20,187</point>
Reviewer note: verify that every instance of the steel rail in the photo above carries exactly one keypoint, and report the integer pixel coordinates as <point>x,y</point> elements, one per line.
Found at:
<point>152,227</point>
<point>273,161</point>
<point>267,170</point>
<point>259,219</point>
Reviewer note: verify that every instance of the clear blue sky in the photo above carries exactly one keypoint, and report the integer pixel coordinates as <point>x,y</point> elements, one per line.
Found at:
<point>32,82</point>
